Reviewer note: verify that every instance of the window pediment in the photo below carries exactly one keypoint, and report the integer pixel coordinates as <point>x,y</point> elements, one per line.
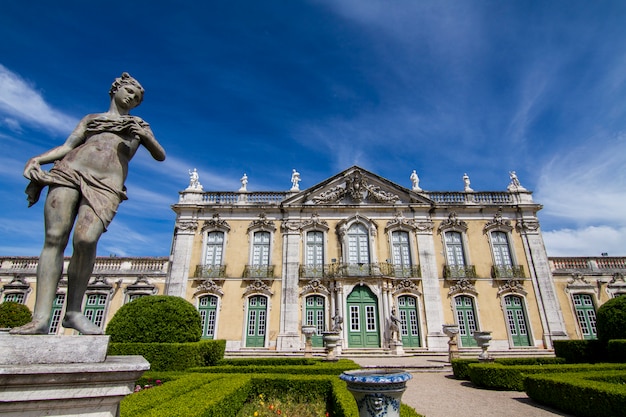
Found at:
<point>498,223</point>
<point>452,223</point>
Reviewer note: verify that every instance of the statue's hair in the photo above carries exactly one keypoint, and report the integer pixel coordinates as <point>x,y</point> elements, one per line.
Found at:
<point>125,79</point>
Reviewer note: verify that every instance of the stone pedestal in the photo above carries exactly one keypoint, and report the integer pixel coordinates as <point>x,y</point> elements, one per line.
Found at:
<point>77,380</point>
<point>397,347</point>
<point>330,341</point>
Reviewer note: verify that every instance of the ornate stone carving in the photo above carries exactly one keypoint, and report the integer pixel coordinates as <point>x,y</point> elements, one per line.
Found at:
<point>462,285</point>
<point>512,286</point>
<point>498,222</point>
<point>262,223</point>
<point>141,285</point>
<point>452,222</point>
<point>357,188</point>
<point>526,226</point>
<point>209,286</point>
<point>406,286</point>
<point>100,284</point>
<point>313,223</point>
<point>287,226</point>
<point>315,286</point>
<point>258,287</point>
<point>424,226</point>
<point>18,283</point>
<point>400,222</point>
<point>216,223</point>
<point>186,226</point>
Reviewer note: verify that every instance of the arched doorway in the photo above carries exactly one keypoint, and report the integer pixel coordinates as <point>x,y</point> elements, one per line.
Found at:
<point>363,328</point>
<point>409,331</point>
<point>257,321</point>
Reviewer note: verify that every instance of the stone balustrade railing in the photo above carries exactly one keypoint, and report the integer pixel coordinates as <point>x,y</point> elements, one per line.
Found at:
<point>139,265</point>
<point>603,263</point>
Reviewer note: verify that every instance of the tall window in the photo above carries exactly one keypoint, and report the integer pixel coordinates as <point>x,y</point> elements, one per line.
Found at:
<point>314,254</point>
<point>454,249</point>
<point>501,252</point>
<point>261,249</point>
<point>207,307</point>
<point>94,308</point>
<point>55,317</point>
<point>358,250</point>
<point>586,315</point>
<point>214,249</point>
<point>401,254</point>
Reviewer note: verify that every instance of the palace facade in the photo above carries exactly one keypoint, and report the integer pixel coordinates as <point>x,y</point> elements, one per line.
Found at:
<point>357,254</point>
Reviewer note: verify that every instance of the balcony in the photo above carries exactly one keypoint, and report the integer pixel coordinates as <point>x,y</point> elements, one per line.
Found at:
<point>355,270</point>
<point>401,271</point>
<point>459,271</point>
<point>508,271</point>
<point>258,271</point>
<point>210,271</point>
<point>315,271</point>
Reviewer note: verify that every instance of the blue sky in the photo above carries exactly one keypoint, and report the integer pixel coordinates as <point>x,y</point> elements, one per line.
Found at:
<point>442,87</point>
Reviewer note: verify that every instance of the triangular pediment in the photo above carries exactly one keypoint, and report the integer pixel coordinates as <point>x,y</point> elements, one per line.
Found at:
<point>356,186</point>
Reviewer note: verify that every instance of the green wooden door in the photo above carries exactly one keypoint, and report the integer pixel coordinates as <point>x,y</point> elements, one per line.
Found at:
<point>466,319</point>
<point>257,321</point>
<point>516,320</point>
<point>315,316</point>
<point>207,306</point>
<point>409,330</point>
<point>363,331</point>
<point>586,315</point>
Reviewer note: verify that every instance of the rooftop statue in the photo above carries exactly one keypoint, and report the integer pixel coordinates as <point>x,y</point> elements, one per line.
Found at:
<point>295,180</point>
<point>85,187</point>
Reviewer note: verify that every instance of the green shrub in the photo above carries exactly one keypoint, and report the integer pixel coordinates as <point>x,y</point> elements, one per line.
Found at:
<point>460,368</point>
<point>267,361</point>
<point>158,318</point>
<point>315,367</point>
<point>611,320</point>
<point>499,377</point>
<point>14,314</point>
<point>587,394</point>
<point>616,350</point>
<point>580,351</point>
<point>173,356</point>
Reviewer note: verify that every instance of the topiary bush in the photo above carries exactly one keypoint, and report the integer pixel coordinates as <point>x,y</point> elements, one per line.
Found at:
<point>611,320</point>
<point>156,319</point>
<point>14,314</point>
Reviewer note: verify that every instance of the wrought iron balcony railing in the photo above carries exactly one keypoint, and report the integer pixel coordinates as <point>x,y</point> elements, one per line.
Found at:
<point>508,271</point>
<point>210,271</point>
<point>401,271</point>
<point>356,270</point>
<point>258,271</point>
<point>459,271</point>
<point>315,271</point>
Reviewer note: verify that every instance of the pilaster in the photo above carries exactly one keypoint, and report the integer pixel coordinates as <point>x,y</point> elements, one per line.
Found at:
<point>181,258</point>
<point>289,336</point>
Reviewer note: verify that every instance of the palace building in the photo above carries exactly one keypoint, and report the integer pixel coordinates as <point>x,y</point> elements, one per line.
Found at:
<point>383,265</point>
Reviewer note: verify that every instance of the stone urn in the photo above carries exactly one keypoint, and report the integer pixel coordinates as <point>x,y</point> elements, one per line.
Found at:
<point>483,339</point>
<point>451,330</point>
<point>377,391</point>
<point>308,331</point>
<point>330,341</point>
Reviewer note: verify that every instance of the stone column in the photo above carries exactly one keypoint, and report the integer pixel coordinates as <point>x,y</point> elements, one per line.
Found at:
<point>549,311</point>
<point>289,338</point>
<point>181,257</point>
<point>435,339</point>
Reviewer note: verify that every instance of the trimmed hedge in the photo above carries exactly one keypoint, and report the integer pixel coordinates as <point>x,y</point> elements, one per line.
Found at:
<point>460,367</point>
<point>222,395</point>
<point>14,314</point>
<point>315,367</point>
<point>511,378</point>
<point>616,350</point>
<point>156,319</point>
<point>588,394</point>
<point>173,356</point>
<point>267,361</point>
<point>580,351</point>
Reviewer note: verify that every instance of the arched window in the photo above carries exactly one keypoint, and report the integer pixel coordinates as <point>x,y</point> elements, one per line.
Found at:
<point>214,248</point>
<point>207,306</point>
<point>314,254</point>
<point>358,250</point>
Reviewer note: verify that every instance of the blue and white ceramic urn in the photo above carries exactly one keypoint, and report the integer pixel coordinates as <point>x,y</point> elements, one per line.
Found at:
<point>377,391</point>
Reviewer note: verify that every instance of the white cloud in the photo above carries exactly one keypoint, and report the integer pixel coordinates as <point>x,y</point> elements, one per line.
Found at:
<point>588,241</point>
<point>20,100</point>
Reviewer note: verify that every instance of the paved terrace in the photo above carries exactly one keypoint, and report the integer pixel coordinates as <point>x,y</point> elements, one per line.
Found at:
<point>433,391</point>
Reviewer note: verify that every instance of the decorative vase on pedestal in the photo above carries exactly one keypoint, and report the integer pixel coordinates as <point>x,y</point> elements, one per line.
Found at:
<point>377,391</point>
<point>308,332</point>
<point>451,330</point>
<point>483,338</point>
<point>330,341</point>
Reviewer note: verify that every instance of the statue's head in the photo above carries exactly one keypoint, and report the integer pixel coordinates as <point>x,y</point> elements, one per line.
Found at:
<point>125,79</point>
